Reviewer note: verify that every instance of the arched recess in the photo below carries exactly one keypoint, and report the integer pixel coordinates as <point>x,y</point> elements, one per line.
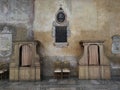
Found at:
<point>25,56</point>
<point>94,64</point>
<point>61,30</point>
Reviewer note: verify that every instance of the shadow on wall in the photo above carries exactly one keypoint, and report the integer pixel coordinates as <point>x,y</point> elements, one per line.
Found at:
<point>40,49</point>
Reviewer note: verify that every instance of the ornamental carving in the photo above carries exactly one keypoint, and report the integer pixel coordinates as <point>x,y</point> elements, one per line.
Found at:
<point>6,42</point>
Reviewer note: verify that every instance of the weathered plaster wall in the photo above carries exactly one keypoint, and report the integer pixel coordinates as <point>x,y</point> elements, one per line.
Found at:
<point>17,16</point>
<point>89,20</point>
<point>114,27</point>
<point>17,13</point>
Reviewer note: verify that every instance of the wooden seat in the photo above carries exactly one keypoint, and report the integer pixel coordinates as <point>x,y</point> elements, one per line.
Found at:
<point>66,69</point>
<point>57,69</point>
<point>61,69</point>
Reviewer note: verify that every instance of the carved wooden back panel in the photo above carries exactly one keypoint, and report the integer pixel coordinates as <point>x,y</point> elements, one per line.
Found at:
<point>93,55</point>
<point>26,55</point>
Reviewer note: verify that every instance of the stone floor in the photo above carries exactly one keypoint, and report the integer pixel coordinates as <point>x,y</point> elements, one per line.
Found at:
<point>65,84</point>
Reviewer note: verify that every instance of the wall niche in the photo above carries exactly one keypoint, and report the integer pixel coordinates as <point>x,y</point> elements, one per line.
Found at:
<point>61,30</point>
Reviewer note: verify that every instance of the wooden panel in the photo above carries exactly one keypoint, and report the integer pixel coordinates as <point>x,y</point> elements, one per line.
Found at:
<point>37,73</point>
<point>26,55</point>
<point>11,74</point>
<point>94,72</point>
<point>105,72</point>
<point>83,72</point>
<point>32,74</point>
<point>22,74</point>
<point>16,74</point>
<point>93,55</point>
<point>27,73</point>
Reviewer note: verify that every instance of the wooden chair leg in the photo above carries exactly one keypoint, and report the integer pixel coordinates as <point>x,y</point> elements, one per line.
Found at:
<point>0,76</point>
<point>61,75</point>
<point>69,75</point>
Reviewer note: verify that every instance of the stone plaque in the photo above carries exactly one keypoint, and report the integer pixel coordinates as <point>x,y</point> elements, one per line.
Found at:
<point>116,44</point>
<point>61,34</point>
<point>5,42</point>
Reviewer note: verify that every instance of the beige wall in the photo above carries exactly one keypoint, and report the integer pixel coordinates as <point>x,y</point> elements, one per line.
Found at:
<point>89,20</point>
